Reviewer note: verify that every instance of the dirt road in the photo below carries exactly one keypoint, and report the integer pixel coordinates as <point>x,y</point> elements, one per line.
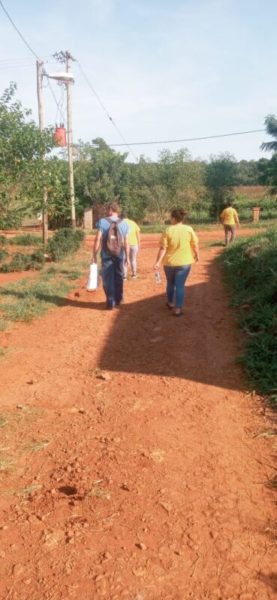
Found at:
<point>133,464</point>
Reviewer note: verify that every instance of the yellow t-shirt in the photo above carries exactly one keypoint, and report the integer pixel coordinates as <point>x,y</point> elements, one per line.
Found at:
<point>179,241</point>
<point>132,234</point>
<point>229,216</point>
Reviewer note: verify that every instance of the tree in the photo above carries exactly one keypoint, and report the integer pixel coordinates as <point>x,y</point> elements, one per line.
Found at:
<point>271,129</point>
<point>247,172</point>
<point>22,146</point>
<point>221,174</point>
<point>99,172</point>
<point>269,171</point>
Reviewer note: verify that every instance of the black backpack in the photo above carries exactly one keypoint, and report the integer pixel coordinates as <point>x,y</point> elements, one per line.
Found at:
<point>114,240</point>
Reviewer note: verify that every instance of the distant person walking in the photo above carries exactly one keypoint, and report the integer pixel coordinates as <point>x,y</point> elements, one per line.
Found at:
<point>134,245</point>
<point>112,238</point>
<point>178,250</point>
<point>230,220</point>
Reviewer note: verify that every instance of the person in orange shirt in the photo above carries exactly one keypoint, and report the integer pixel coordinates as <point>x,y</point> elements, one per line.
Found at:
<point>229,219</point>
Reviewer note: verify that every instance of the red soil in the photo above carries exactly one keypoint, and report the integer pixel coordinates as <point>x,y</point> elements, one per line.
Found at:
<point>132,461</point>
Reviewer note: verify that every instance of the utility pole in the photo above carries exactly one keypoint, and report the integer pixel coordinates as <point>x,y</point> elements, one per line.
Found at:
<point>41,126</point>
<point>68,58</point>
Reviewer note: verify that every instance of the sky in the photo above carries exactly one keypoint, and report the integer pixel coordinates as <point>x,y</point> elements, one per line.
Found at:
<point>163,70</point>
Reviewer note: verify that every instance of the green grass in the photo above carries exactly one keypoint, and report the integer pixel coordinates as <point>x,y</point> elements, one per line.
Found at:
<point>3,421</point>
<point>251,269</point>
<point>36,446</point>
<point>3,240</point>
<point>24,262</point>
<point>26,300</point>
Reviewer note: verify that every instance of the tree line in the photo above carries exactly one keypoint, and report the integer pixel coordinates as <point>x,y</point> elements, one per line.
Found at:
<point>101,173</point>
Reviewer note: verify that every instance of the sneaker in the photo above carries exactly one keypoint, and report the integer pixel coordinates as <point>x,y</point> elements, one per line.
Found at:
<point>118,304</point>
<point>134,276</point>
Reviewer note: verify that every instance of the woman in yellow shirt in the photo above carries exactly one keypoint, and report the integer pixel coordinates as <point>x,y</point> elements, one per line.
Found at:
<point>229,219</point>
<point>178,250</point>
<point>134,245</point>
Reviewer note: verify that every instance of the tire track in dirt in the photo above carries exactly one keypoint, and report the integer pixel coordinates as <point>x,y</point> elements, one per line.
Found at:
<point>136,474</point>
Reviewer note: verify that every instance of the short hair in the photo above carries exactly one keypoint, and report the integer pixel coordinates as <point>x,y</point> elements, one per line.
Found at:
<point>178,214</point>
<point>229,203</point>
<point>114,207</point>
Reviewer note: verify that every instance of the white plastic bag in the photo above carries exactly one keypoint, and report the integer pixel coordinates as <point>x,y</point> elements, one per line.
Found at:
<point>92,278</point>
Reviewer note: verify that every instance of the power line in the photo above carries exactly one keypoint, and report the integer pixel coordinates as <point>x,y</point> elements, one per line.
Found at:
<point>18,59</point>
<point>125,143</point>
<point>29,48</point>
<point>19,32</point>
<point>193,139</point>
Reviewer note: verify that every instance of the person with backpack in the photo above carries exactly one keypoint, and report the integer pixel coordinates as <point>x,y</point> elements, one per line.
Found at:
<point>112,238</point>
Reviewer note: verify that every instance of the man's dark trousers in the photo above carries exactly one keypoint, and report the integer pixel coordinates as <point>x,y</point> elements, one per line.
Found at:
<point>112,275</point>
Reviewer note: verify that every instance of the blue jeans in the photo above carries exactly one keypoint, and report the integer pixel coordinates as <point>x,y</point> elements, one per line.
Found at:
<point>176,279</point>
<point>112,275</point>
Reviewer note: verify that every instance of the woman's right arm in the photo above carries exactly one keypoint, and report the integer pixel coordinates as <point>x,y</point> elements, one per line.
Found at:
<point>196,252</point>
<point>162,251</point>
<point>194,246</point>
<point>159,258</point>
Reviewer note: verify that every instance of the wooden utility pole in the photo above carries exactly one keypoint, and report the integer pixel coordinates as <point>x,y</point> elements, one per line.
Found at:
<point>68,58</point>
<point>41,126</point>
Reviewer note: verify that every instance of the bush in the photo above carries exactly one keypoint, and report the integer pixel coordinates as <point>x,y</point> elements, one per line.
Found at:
<point>3,240</point>
<point>245,204</point>
<point>63,242</point>
<point>26,240</point>
<point>10,220</point>
<point>24,262</point>
<point>251,267</point>
<point>3,254</point>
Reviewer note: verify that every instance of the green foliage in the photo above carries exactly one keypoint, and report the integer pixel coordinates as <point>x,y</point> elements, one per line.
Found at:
<point>247,172</point>
<point>63,242</point>
<point>268,173</point>
<point>22,169</point>
<point>24,262</point>
<point>102,174</point>
<point>99,173</point>
<point>3,254</point>
<point>220,180</point>
<point>25,300</point>
<point>251,267</point>
<point>3,240</point>
<point>271,129</point>
<point>25,240</point>
<point>244,206</point>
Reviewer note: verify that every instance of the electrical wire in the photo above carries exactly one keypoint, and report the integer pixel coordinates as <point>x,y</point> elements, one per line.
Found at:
<point>193,139</point>
<point>59,108</point>
<point>29,48</point>
<point>148,143</point>
<point>125,143</point>
<point>19,32</point>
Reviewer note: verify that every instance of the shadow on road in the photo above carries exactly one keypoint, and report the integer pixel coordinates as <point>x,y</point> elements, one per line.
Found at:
<point>199,346</point>
<point>146,338</point>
